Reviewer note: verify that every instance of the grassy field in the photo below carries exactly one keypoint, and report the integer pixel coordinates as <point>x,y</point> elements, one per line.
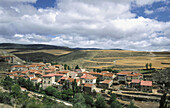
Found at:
<point>115,59</point>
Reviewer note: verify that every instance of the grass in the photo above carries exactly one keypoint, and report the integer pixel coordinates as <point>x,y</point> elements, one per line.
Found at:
<point>115,59</point>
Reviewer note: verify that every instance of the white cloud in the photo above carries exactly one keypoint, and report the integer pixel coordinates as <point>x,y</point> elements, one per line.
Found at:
<point>83,23</point>
<point>148,11</point>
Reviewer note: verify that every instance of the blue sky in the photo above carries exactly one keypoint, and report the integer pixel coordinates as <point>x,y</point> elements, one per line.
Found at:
<point>142,25</point>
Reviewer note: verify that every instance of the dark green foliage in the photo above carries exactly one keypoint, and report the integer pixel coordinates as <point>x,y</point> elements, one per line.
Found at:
<point>150,65</point>
<point>77,67</point>
<point>5,98</point>
<point>65,66</point>
<point>99,70</point>
<point>163,103</point>
<point>89,100</point>
<point>147,66</point>
<point>16,90</point>
<point>112,98</point>
<point>75,88</point>
<point>115,104</point>
<point>79,101</point>
<point>67,95</point>
<point>100,102</point>
<point>7,83</point>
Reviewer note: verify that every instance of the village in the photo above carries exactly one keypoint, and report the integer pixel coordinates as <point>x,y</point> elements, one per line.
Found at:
<point>127,85</point>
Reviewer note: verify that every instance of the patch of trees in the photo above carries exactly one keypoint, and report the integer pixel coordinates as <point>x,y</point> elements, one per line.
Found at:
<point>109,69</point>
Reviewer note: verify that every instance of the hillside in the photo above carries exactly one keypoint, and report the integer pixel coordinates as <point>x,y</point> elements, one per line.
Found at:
<point>30,46</point>
<point>96,58</point>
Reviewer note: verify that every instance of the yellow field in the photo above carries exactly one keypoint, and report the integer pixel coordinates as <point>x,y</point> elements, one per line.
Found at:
<point>54,52</point>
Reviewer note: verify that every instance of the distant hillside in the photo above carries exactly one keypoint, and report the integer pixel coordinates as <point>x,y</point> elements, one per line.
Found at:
<point>31,46</point>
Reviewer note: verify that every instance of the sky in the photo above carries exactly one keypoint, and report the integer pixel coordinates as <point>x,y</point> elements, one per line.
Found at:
<point>141,25</point>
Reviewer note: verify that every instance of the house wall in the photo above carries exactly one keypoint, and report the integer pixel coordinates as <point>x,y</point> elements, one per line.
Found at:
<point>146,88</point>
<point>48,81</point>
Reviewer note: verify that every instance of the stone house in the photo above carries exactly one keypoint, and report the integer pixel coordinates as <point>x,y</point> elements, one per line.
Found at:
<point>135,84</point>
<point>146,86</point>
<point>88,87</point>
<point>106,84</point>
<point>90,79</point>
<point>48,80</point>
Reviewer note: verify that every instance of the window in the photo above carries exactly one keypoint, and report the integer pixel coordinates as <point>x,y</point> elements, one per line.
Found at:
<point>48,82</point>
<point>44,82</point>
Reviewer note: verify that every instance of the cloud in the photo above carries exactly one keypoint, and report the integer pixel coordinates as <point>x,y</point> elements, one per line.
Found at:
<point>148,12</point>
<point>83,23</point>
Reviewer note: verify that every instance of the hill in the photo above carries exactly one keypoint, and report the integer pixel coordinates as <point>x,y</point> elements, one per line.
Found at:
<point>31,46</point>
<point>95,58</point>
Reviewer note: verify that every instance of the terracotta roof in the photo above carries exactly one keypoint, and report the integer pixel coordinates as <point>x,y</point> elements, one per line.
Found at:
<point>48,75</point>
<point>12,72</point>
<point>88,85</point>
<point>146,83</point>
<point>87,76</point>
<point>95,73</point>
<point>57,65</point>
<point>127,73</point>
<point>63,72</point>
<point>105,72</point>
<point>33,70</point>
<point>34,78</point>
<point>72,79</point>
<point>38,73</point>
<point>19,66</point>
<point>30,75</point>
<point>24,72</point>
<point>123,73</point>
<point>58,74</point>
<point>106,81</point>
<point>135,81</point>
<point>108,75</point>
<point>21,75</point>
<point>63,77</point>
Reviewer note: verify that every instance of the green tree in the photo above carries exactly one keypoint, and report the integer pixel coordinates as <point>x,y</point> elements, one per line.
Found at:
<point>65,66</point>
<point>98,70</point>
<point>146,66</point>
<point>100,102</point>
<point>50,90</point>
<point>97,81</point>
<point>150,65</point>
<point>67,95</point>
<point>163,103</point>
<point>112,98</point>
<point>79,101</point>
<point>132,105</point>
<point>88,100</point>
<point>77,67</point>
<point>115,104</point>
<point>7,83</point>
<point>68,67</point>
<point>16,90</point>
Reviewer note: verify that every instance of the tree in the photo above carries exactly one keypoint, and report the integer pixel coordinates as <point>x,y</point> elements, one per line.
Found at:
<point>16,90</point>
<point>163,103</point>
<point>132,105</point>
<point>150,65</point>
<point>67,95</point>
<point>65,66</point>
<point>77,67</point>
<point>68,67</point>
<point>146,66</point>
<point>97,81</point>
<point>79,101</point>
<point>98,70</point>
<point>112,98</point>
<point>7,83</point>
<point>100,102</point>
<point>94,70</point>
<point>50,90</point>
<point>115,104</point>
<point>88,100</point>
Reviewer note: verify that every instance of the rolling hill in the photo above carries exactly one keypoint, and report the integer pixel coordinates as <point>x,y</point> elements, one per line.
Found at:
<point>93,58</point>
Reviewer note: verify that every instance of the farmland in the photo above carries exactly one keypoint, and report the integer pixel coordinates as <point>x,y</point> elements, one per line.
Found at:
<point>115,59</point>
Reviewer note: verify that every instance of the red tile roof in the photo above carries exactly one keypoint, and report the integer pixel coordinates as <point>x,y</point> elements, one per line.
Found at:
<point>24,72</point>
<point>146,83</point>
<point>88,85</point>
<point>95,73</point>
<point>108,75</point>
<point>87,76</point>
<point>34,78</point>
<point>51,75</point>
<point>135,81</point>
<point>106,81</point>
<point>19,66</point>
<point>127,73</point>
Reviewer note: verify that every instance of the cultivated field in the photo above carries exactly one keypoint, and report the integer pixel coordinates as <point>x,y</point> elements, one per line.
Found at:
<point>115,59</point>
